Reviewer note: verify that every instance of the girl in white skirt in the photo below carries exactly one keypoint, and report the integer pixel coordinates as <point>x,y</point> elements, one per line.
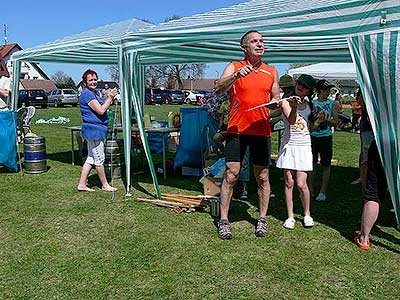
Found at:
<point>295,155</point>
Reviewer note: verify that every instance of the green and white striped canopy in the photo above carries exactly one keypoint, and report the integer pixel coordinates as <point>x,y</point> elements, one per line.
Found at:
<point>293,30</point>
<point>96,46</point>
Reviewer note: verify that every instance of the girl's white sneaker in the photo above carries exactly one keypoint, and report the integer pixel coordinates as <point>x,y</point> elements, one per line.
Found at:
<point>289,223</point>
<point>308,221</point>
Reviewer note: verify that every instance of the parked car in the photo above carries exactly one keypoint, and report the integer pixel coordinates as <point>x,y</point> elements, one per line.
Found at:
<point>61,97</point>
<point>191,96</point>
<point>173,96</point>
<point>117,99</point>
<point>153,95</point>
<point>202,94</point>
<point>32,97</point>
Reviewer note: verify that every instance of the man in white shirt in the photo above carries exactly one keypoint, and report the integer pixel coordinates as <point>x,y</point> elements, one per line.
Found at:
<point>105,91</point>
<point>5,87</point>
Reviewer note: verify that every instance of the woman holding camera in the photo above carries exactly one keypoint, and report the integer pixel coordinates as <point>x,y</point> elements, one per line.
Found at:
<point>94,130</point>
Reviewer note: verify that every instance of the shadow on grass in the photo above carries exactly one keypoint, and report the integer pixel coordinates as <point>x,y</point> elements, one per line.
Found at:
<point>172,182</point>
<point>135,181</point>
<point>342,210</point>
<point>20,166</point>
<point>239,211</point>
<point>6,170</point>
<point>65,157</point>
<point>376,231</point>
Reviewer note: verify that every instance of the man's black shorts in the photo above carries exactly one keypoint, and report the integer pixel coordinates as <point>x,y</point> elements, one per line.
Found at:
<point>260,148</point>
<point>324,147</point>
<point>375,188</point>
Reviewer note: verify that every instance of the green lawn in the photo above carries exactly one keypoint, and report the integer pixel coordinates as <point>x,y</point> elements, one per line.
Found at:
<point>56,243</point>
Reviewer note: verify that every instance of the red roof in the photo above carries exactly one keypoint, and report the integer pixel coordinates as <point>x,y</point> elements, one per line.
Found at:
<point>198,84</point>
<point>46,85</point>
<point>3,67</point>
<point>5,49</point>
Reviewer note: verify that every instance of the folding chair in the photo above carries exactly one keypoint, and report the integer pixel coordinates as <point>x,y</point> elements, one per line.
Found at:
<point>27,120</point>
<point>24,117</point>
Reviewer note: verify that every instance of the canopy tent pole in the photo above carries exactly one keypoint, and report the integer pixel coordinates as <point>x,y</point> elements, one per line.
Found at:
<point>137,104</point>
<point>126,119</point>
<point>377,60</point>
<point>130,67</point>
<point>141,86</point>
<point>15,83</point>
<point>138,85</point>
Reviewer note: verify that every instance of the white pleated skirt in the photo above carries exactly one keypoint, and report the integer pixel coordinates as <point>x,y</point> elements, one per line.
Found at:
<point>295,157</point>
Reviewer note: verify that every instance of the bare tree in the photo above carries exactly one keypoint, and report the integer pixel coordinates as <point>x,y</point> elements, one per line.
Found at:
<point>172,75</point>
<point>169,75</point>
<point>62,80</point>
<point>113,71</point>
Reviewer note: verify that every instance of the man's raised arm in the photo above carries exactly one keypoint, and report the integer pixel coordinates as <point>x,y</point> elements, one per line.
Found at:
<point>229,77</point>
<point>226,81</point>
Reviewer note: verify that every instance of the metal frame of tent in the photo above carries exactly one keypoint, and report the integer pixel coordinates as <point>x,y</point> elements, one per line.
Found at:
<point>363,31</point>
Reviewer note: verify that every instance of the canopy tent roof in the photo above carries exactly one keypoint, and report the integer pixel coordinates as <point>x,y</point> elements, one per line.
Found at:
<point>363,31</point>
<point>95,46</point>
<point>339,71</point>
<point>294,31</point>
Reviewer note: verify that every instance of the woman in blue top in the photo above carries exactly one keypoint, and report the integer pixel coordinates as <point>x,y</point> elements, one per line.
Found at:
<point>94,130</point>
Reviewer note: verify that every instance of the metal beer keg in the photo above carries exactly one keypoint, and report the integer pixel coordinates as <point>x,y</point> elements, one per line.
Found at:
<point>35,161</point>
<point>114,161</point>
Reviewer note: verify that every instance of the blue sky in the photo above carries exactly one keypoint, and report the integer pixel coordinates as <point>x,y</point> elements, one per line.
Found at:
<point>31,23</point>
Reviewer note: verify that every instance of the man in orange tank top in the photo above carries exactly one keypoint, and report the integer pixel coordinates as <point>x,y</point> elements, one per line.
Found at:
<point>250,83</point>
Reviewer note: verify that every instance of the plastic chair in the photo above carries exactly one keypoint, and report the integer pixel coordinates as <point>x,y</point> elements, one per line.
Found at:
<point>24,117</point>
<point>27,120</point>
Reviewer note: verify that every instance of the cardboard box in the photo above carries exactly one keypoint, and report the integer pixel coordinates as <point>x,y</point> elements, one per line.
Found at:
<point>212,186</point>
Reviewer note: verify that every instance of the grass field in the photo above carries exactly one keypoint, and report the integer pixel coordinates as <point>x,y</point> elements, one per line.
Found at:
<point>56,243</point>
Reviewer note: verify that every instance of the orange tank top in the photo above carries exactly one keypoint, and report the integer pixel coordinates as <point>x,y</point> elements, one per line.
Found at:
<point>247,92</point>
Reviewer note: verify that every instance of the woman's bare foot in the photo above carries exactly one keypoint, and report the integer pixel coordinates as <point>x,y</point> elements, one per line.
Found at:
<point>84,189</point>
<point>109,188</point>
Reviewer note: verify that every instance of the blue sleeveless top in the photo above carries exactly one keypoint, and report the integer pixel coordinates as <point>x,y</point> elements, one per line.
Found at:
<point>94,126</point>
<point>327,105</point>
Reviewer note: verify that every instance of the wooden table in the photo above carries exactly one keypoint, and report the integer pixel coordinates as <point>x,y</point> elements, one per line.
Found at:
<point>162,130</point>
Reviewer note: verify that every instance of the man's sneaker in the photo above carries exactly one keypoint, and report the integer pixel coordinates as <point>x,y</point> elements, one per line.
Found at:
<point>262,228</point>
<point>244,194</point>
<point>224,230</point>
<point>321,197</point>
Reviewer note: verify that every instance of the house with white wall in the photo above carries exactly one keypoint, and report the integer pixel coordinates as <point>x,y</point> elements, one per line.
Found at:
<point>28,70</point>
